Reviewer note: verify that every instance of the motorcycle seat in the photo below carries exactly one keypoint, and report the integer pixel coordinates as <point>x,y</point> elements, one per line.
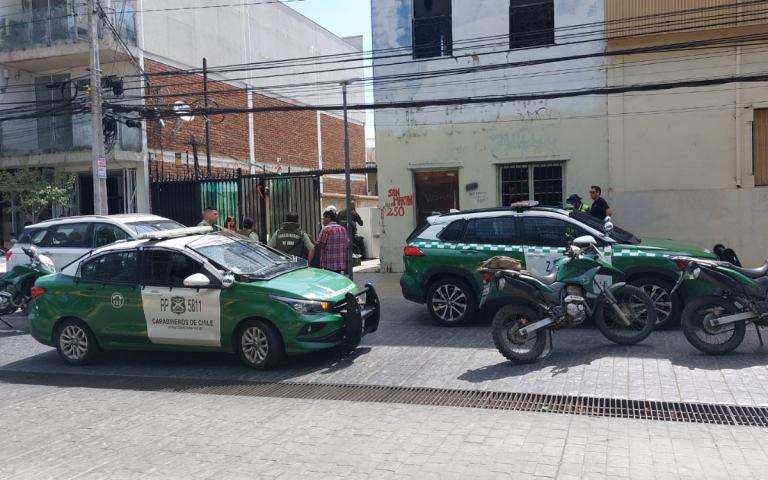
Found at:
<point>546,280</point>
<point>752,272</point>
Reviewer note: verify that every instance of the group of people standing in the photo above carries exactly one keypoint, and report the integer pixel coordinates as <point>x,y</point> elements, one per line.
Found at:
<point>291,239</point>
<point>599,208</point>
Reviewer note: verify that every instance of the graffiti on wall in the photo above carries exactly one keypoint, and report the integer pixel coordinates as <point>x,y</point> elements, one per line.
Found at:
<point>479,197</point>
<point>395,206</point>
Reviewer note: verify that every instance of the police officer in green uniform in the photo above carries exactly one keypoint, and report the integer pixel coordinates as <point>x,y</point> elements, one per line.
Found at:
<point>292,240</point>
<point>575,204</point>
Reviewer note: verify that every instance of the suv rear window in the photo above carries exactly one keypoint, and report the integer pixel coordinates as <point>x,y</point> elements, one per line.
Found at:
<point>419,230</point>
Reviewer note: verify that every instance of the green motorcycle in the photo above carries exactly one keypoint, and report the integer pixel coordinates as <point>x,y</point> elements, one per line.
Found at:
<point>624,314</point>
<point>716,324</point>
<point>16,285</point>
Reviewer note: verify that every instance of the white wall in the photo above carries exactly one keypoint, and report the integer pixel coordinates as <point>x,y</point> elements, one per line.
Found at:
<point>674,154</point>
<point>476,139</point>
<point>266,32</point>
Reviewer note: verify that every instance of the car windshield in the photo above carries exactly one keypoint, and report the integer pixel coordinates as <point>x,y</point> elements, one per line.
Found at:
<point>618,234</point>
<point>244,257</point>
<point>147,226</point>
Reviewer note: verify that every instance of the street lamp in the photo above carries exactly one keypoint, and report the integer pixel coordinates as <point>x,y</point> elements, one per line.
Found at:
<point>350,220</point>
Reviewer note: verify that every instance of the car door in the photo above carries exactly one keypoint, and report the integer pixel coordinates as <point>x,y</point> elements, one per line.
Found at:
<point>110,298</point>
<point>546,240</point>
<point>175,314</point>
<point>67,242</point>
<point>485,238</point>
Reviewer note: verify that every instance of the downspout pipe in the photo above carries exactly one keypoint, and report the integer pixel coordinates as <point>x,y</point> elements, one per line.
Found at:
<point>738,118</point>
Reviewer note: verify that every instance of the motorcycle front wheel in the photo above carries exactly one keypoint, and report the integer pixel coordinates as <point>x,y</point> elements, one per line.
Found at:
<point>7,287</point>
<point>639,309</point>
<point>712,340</point>
<point>508,340</point>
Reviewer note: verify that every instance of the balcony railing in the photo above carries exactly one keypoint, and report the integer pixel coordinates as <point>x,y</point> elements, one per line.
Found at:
<point>63,24</point>
<point>45,135</point>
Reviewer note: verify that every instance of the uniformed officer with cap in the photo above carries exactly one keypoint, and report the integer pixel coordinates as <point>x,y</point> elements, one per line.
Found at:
<point>576,205</point>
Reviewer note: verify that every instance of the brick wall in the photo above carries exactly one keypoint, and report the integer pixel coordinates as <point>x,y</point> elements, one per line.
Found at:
<point>290,136</point>
<point>333,143</point>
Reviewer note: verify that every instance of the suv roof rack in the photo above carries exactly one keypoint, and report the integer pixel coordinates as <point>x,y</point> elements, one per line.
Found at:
<point>76,217</point>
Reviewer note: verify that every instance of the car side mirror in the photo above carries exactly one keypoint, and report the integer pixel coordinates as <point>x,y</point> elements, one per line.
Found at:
<point>585,241</point>
<point>197,280</point>
<point>608,225</point>
<point>227,280</point>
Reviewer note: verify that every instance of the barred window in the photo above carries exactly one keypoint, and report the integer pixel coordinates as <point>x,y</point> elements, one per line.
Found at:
<point>432,28</point>
<point>531,23</point>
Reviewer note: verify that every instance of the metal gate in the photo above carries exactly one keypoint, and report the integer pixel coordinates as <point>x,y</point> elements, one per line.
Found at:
<point>296,194</point>
<point>265,199</point>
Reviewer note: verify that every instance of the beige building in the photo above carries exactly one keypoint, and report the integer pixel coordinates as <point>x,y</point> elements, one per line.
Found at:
<point>690,164</point>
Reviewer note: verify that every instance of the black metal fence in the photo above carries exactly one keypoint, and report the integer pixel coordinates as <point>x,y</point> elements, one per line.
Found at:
<point>266,198</point>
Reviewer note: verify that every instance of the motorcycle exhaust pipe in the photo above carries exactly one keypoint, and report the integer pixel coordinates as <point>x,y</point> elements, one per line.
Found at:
<point>721,281</point>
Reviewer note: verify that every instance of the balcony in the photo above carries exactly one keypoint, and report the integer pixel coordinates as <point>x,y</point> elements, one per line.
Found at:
<point>56,135</point>
<point>627,18</point>
<point>30,34</point>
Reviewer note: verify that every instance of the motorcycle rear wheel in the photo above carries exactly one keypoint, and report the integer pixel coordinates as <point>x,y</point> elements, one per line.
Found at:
<point>712,340</point>
<point>639,310</point>
<point>517,348</point>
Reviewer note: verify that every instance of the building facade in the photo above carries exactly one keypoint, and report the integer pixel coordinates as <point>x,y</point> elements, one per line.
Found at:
<point>45,42</point>
<point>691,163</point>
<point>433,159</point>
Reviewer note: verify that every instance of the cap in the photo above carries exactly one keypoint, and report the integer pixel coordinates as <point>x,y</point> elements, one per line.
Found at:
<point>573,198</point>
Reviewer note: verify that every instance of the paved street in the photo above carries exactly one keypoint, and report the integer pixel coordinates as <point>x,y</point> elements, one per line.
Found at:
<point>68,432</point>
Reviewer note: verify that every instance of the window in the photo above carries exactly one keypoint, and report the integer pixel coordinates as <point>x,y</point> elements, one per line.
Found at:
<point>104,234</point>
<point>542,182</point>
<point>491,231</point>
<point>153,226</point>
<point>70,235</point>
<point>549,232</point>
<point>760,148</point>
<point>118,267</point>
<point>452,232</point>
<point>163,267</point>
<point>35,237</point>
<point>531,23</point>
<point>432,29</point>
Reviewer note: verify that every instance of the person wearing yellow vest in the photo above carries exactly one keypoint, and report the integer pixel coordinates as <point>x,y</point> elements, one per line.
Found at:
<point>575,202</point>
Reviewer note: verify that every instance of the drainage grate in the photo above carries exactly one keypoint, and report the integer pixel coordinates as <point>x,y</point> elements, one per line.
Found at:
<point>520,402</point>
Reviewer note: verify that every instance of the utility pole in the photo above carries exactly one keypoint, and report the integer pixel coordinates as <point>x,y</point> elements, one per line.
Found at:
<point>350,219</point>
<point>97,132</point>
<point>207,124</point>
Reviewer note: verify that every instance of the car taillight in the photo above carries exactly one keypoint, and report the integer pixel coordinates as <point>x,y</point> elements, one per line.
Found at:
<point>681,265</point>
<point>413,252</point>
<point>486,276</point>
<point>8,256</point>
<point>36,291</point>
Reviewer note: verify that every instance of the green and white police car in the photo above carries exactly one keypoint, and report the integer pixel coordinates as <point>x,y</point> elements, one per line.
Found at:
<point>192,290</point>
<point>444,253</point>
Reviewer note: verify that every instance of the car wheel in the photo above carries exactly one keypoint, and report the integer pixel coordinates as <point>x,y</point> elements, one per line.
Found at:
<point>75,342</point>
<point>451,302</point>
<point>259,345</point>
<point>667,306</point>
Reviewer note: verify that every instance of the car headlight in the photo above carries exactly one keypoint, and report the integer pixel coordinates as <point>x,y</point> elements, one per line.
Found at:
<point>303,307</point>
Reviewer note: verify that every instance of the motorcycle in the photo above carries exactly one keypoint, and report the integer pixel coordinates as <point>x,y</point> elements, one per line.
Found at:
<point>716,324</point>
<point>16,284</point>
<point>624,314</point>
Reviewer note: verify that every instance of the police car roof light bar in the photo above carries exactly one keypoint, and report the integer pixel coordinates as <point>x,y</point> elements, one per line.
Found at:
<point>525,204</point>
<point>177,233</point>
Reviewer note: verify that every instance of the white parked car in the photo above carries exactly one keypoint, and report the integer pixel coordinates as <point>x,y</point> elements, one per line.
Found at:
<point>66,239</point>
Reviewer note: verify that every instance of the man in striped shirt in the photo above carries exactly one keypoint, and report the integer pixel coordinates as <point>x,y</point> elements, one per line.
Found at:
<point>332,243</point>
